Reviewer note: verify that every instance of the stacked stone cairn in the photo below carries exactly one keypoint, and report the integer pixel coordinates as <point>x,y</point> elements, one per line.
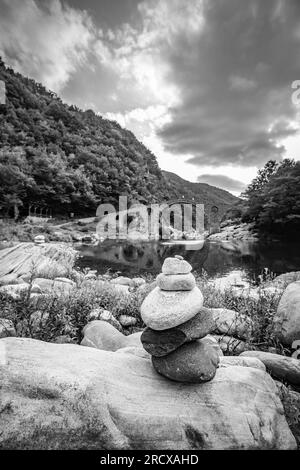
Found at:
<point>178,325</point>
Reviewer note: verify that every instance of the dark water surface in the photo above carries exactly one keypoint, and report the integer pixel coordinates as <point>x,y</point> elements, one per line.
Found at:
<point>218,259</point>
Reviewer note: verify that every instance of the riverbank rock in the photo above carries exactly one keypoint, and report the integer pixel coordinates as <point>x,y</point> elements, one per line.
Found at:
<point>62,396</point>
<point>282,367</point>
<point>127,320</point>
<point>7,328</point>
<point>231,323</point>
<point>162,309</point>
<point>104,315</point>
<point>15,290</point>
<point>160,343</point>
<point>287,318</point>
<point>48,260</point>
<point>122,281</point>
<point>172,282</point>
<point>176,266</point>
<point>101,335</point>
<point>194,362</point>
<point>56,286</point>
<point>283,280</point>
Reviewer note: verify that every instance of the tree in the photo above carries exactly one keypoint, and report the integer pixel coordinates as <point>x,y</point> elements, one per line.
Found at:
<point>276,201</point>
<point>254,192</point>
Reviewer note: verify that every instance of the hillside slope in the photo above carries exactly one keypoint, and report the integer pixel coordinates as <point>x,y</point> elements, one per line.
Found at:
<point>58,156</point>
<point>202,193</point>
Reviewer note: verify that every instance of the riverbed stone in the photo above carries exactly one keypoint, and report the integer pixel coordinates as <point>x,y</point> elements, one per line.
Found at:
<point>194,362</point>
<point>160,343</point>
<point>127,320</point>
<point>282,367</point>
<point>122,281</point>
<point>287,317</point>
<point>57,287</point>
<point>102,335</point>
<point>161,310</point>
<point>231,323</point>
<point>176,266</point>
<point>176,281</point>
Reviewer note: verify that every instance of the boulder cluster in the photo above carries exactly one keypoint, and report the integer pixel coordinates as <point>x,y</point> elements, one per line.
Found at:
<point>178,325</point>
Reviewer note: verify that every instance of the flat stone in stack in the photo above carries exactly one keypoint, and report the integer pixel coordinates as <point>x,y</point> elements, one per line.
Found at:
<point>160,343</point>
<point>178,325</point>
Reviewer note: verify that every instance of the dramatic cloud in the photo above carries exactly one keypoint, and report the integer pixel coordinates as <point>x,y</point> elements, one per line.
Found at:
<point>223,182</point>
<point>206,84</point>
<point>235,83</point>
<point>45,40</point>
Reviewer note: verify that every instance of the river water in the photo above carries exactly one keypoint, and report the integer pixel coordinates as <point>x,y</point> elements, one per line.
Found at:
<point>242,260</point>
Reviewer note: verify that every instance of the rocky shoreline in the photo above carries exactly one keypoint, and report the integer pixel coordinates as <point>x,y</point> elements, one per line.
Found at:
<point>208,346</point>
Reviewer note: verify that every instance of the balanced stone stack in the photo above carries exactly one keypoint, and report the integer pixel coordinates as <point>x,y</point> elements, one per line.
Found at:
<point>178,325</point>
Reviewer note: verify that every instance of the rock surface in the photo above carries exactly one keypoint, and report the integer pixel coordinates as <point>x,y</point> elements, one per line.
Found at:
<point>101,335</point>
<point>287,318</point>
<point>56,286</point>
<point>231,323</point>
<point>51,259</point>
<point>194,362</point>
<point>122,281</point>
<point>283,280</point>
<point>105,315</point>
<point>176,266</point>
<point>66,397</point>
<point>15,290</point>
<point>254,362</point>
<point>176,281</point>
<point>160,343</point>
<point>282,367</point>
<point>162,310</point>
<point>127,320</point>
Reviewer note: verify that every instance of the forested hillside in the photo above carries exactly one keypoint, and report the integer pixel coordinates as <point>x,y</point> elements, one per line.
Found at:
<point>202,193</point>
<point>70,160</point>
<point>57,156</point>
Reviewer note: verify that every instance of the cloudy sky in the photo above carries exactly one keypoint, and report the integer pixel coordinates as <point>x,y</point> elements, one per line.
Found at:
<point>205,84</point>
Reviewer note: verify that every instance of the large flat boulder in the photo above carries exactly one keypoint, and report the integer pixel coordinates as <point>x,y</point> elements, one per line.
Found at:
<point>48,260</point>
<point>287,318</point>
<point>63,396</point>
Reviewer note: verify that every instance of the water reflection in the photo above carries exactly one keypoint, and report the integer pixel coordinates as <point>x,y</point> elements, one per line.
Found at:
<point>216,258</point>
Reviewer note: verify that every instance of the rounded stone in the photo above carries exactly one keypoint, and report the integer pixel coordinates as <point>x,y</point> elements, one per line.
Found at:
<point>194,362</point>
<point>176,281</point>
<point>163,309</point>
<point>161,343</point>
<point>176,266</point>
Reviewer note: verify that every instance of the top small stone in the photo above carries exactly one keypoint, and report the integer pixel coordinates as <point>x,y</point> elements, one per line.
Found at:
<point>178,257</point>
<point>176,266</point>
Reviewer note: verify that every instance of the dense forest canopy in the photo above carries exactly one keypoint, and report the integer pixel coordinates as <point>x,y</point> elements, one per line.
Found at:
<point>273,199</point>
<point>70,160</point>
